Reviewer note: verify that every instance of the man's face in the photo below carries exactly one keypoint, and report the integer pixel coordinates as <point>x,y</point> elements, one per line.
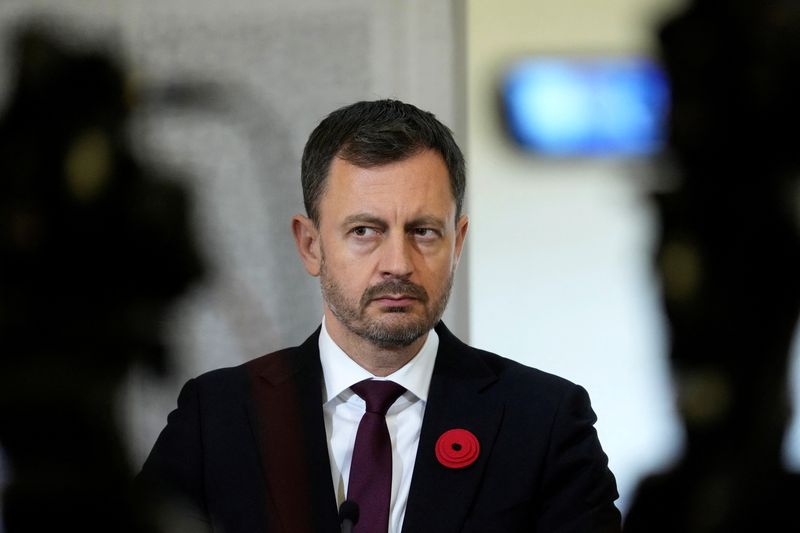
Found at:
<point>388,244</point>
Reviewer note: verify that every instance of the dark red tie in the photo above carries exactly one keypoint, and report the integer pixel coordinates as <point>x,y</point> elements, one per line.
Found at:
<point>370,484</point>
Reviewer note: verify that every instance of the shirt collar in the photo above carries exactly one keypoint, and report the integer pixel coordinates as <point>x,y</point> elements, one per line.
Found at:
<point>340,372</point>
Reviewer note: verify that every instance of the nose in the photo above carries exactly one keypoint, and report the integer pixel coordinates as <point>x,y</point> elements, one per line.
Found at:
<point>397,256</point>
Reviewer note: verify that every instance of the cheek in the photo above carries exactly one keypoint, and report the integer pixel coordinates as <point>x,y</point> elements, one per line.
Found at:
<point>436,274</point>
<point>350,276</point>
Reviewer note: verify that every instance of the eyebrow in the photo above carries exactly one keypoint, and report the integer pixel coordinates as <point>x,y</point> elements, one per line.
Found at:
<point>425,221</point>
<point>364,218</point>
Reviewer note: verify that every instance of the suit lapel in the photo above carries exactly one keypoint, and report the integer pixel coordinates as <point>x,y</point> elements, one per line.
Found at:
<point>440,497</point>
<point>290,431</point>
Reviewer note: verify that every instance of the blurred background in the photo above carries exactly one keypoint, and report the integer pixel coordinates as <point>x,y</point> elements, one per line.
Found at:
<point>558,268</point>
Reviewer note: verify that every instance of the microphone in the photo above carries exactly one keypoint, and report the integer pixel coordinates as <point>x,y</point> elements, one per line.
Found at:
<point>348,515</point>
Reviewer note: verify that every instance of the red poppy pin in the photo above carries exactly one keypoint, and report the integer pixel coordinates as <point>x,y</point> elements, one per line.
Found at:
<point>457,448</point>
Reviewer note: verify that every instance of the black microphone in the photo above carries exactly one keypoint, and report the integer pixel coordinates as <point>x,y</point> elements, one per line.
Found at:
<point>348,515</point>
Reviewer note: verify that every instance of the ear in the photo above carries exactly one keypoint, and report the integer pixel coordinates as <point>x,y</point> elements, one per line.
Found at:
<point>461,234</point>
<point>306,238</point>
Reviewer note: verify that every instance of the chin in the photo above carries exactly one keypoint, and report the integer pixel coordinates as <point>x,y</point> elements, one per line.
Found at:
<point>395,329</point>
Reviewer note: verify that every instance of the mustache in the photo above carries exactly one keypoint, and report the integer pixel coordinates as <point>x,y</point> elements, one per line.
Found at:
<point>392,287</point>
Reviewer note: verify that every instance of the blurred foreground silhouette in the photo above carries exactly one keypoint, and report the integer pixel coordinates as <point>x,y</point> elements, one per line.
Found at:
<point>729,258</point>
<point>94,246</point>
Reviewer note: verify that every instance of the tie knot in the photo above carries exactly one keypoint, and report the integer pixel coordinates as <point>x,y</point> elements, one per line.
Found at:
<point>379,395</point>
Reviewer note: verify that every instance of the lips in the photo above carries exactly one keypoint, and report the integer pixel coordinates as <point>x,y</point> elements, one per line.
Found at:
<point>394,299</point>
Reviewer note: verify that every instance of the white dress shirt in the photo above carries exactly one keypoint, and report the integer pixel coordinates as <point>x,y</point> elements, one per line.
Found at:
<point>343,410</point>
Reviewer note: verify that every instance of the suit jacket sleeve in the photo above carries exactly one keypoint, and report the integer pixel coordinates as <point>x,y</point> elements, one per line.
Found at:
<point>578,489</point>
<point>172,475</point>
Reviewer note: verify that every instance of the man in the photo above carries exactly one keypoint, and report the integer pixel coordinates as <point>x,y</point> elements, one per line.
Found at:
<point>475,442</point>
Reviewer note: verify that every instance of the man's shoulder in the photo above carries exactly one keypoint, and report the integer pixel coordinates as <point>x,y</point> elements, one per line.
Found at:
<point>272,366</point>
<point>515,376</point>
<point>508,372</point>
<point>531,396</point>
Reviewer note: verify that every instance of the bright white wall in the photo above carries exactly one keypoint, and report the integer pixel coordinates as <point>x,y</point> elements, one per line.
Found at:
<point>559,251</point>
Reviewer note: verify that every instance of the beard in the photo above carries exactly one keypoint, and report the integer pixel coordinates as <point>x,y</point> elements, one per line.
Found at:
<point>395,327</point>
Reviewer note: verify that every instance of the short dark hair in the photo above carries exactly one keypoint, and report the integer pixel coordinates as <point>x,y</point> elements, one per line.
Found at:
<point>368,134</point>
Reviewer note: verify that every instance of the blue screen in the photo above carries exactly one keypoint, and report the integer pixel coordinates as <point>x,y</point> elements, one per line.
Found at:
<point>587,107</point>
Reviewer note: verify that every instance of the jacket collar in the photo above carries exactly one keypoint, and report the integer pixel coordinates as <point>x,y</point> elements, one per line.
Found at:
<point>440,497</point>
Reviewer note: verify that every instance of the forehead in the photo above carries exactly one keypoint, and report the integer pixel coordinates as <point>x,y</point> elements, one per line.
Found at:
<point>419,184</point>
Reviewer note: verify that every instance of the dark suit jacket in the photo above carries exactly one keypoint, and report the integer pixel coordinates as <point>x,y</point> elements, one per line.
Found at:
<point>246,449</point>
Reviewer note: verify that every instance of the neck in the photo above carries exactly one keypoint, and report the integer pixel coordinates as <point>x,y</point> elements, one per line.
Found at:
<point>377,360</point>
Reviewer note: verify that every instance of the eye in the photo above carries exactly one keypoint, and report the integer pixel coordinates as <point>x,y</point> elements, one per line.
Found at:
<point>425,234</point>
<point>364,232</point>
